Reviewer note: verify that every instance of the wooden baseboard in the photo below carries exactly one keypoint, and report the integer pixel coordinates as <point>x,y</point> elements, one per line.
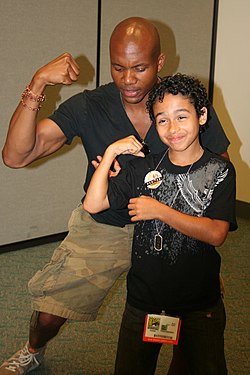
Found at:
<point>32,242</point>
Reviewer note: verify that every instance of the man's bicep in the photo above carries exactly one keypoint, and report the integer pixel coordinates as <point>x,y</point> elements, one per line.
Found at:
<point>49,138</point>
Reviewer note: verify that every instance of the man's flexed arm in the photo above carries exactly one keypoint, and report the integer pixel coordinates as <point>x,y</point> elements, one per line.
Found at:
<point>28,140</point>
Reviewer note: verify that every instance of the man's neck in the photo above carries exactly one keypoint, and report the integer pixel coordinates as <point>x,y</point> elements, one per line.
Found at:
<point>138,116</point>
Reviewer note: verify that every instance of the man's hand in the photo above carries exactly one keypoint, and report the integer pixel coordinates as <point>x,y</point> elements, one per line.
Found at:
<point>62,70</point>
<point>112,173</point>
<point>143,208</point>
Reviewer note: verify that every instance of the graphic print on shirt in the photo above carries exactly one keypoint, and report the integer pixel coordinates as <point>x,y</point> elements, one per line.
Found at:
<point>190,194</point>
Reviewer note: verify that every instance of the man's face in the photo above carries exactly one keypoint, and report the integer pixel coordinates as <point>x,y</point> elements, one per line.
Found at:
<point>134,70</point>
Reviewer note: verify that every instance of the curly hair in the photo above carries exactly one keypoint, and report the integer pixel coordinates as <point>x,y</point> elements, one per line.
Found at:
<point>183,84</point>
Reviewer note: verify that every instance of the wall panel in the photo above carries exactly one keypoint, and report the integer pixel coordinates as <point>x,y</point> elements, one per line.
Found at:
<point>231,91</point>
<point>185,29</point>
<point>37,200</point>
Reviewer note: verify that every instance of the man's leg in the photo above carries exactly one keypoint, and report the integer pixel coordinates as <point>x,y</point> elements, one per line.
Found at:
<point>82,269</point>
<point>43,327</point>
<point>73,284</point>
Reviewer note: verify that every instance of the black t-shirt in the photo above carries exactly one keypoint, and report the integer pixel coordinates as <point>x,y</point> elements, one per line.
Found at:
<point>184,275</point>
<point>99,119</point>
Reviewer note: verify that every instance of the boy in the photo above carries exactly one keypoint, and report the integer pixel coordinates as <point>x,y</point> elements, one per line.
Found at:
<point>183,203</point>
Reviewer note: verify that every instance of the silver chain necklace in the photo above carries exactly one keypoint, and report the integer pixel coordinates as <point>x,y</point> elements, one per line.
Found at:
<point>158,239</point>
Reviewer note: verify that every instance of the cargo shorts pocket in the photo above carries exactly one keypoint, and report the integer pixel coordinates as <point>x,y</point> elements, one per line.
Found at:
<point>45,280</point>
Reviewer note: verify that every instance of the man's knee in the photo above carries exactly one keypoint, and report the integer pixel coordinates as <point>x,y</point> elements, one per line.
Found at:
<point>42,320</point>
<point>34,319</point>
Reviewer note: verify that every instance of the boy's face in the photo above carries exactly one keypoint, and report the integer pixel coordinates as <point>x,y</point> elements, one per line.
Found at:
<point>177,123</point>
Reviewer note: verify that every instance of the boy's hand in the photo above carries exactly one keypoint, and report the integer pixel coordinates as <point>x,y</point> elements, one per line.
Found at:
<point>128,145</point>
<point>143,208</point>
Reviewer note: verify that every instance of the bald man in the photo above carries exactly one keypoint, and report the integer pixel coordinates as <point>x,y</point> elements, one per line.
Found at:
<point>97,249</point>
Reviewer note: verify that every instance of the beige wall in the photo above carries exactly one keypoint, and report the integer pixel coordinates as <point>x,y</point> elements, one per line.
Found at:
<point>36,201</point>
<point>232,82</point>
<point>184,33</point>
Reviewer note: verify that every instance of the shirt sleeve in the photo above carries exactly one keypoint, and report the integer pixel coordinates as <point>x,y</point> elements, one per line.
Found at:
<point>222,206</point>
<point>121,188</point>
<point>69,115</point>
<point>213,137</point>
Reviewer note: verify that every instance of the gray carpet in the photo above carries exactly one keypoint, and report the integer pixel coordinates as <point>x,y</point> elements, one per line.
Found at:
<point>89,348</point>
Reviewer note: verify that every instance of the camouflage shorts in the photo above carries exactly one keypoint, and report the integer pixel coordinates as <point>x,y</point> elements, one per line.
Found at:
<point>82,269</point>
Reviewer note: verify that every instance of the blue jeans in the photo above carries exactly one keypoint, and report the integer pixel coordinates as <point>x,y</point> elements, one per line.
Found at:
<point>201,343</point>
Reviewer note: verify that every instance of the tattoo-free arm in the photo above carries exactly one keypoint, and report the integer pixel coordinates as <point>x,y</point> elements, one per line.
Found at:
<point>29,139</point>
<point>204,229</point>
<point>96,199</point>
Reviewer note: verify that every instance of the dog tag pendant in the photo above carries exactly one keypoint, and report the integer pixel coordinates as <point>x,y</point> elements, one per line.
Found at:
<point>158,240</point>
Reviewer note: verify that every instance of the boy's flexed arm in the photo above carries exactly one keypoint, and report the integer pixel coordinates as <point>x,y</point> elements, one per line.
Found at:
<point>96,199</point>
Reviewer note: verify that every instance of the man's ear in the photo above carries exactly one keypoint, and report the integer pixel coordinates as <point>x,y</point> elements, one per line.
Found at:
<point>203,116</point>
<point>161,60</point>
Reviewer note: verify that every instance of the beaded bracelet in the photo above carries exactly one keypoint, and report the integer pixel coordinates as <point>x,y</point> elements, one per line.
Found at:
<point>33,97</point>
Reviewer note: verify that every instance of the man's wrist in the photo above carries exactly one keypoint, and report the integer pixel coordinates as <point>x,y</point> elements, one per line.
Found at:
<point>37,85</point>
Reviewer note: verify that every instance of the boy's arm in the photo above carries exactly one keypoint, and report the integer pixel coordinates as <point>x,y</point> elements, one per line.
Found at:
<point>96,199</point>
<point>203,229</point>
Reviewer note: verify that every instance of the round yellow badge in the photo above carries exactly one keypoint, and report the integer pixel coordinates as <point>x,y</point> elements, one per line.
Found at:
<point>153,179</point>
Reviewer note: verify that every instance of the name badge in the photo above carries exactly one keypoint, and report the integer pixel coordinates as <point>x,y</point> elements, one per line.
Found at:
<point>163,329</point>
<point>153,179</point>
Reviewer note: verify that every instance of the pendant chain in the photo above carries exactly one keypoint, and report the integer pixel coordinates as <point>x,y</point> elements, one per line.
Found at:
<point>158,239</point>
<point>174,199</point>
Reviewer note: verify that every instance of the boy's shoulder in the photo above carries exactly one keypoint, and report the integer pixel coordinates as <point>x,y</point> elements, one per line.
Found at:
<point>150,160</point>
<point>217,158</point>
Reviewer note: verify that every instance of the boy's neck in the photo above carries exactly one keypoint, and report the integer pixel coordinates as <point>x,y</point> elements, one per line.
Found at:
<point>187,157</point>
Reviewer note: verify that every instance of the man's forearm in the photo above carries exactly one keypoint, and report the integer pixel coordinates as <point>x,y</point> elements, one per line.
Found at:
<point>21,136</point>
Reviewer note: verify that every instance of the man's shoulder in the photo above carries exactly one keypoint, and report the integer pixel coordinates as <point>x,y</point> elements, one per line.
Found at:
<point>104,91</point>
<point>105,96</point>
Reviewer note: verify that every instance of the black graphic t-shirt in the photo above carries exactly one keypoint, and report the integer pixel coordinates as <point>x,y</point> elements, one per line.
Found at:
<point>98,118</point>
<point>184,275</point>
